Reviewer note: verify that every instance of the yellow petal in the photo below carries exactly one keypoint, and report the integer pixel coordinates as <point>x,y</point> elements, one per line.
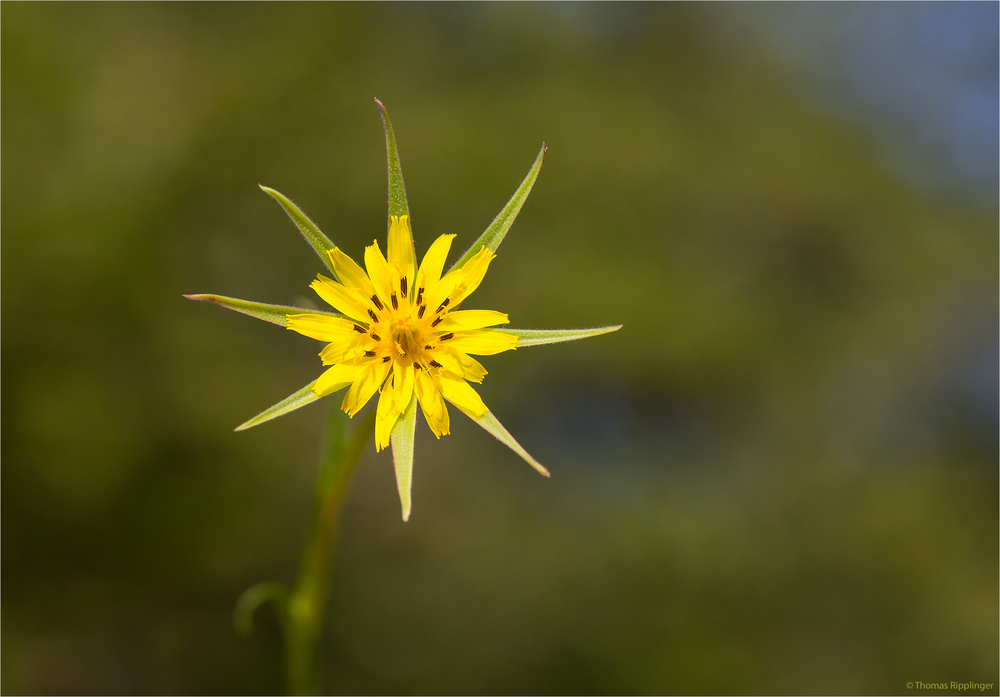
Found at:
<point>459,393</point>
<point>472,275</point>
<point>402,386</point>
<point>437,292</point>
<point>335,378</point>
<point>460,363</point>
<point>431,403</point>
<point>340,298</point>
<point>349,272</point>
<point>365,385</point>
<point>401,246</point>
<point>482,342</point>
<point>433,263</point>
<point>378,272</point>
<point>385,419</point>
<point>346,349</point>
<point>471,319</point>
<point>322,327</point>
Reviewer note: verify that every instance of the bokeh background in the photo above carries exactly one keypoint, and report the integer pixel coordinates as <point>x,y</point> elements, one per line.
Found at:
<point>779,477</point>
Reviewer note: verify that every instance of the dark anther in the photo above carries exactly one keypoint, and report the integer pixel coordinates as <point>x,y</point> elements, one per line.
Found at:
<point>420,311</point>
<point>386,359</point>
<point>436,364</point>
<point>447,336</point>
<point>395,304</point>
<point>443,305</point>
<point>359,330</point>
<point>402,285</point>
<point>369,354</point>
<point>420,295</point>
<point>437,321</point>
<point>378,303</point>
<point>428,347</point>
<point>376,337</point>
<point>373,315</point>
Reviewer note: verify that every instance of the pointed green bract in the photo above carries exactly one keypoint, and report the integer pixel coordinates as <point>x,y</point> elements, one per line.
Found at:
<point>402,453</point>
<point>397,191</point>
<point>290,403</point>
<point>255,596</point>
<point>490,424</point>
<point>494,234</point>
<point>316,239</point>
<point>275,314</point>
<point>537,337</point>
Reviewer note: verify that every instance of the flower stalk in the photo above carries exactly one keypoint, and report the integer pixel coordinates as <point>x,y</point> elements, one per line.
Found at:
<point>302,611</point>
<point>307,602</point>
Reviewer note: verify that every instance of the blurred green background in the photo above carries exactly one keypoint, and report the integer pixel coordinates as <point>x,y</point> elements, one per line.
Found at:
<point>779,477</point>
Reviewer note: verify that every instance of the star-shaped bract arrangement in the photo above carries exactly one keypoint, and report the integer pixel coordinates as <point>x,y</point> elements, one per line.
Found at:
<point>397,328</point>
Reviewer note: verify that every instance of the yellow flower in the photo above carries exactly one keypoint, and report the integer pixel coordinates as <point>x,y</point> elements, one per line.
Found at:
<point>402,333</point>
<point>397,328</point>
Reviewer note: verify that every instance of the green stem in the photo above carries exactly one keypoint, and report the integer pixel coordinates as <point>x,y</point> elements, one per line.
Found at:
<point>307,601</point>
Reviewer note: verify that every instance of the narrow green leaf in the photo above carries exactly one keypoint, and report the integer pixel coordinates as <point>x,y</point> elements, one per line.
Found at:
<point>290,403</point>
<point>397,191</point>
<point>316,239</point>
<point>255,596</point>
<point>494,234</point>
<point>275,314</point>
<point>537,337</point>
<point>490,423</point>
<point>402,453</point>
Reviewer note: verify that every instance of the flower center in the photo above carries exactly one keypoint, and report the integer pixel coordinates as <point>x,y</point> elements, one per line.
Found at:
<point>406,338</point>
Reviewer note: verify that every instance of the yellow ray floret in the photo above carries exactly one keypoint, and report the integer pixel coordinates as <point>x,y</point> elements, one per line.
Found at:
<point>401,334</point>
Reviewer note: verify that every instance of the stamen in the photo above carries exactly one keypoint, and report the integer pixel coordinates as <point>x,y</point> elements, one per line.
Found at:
<point>378,303</point>
<point>436,364</point>
<point>395,305</point>
<point>369,354</point>
<point>386,359</point>
<point>437,321</point>
<point>373,315</point>
<point>402,285</point>
<point>428,347</point>
<point>420,295</point>
<point>376,337</point>
<point>420,311</point>
<point>359,330</point>
<point>442,306</point>
<point>447,336</point>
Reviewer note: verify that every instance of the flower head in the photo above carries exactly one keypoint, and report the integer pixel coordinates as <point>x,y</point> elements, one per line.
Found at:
<point>397,329</point>
<point>401,332</point>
